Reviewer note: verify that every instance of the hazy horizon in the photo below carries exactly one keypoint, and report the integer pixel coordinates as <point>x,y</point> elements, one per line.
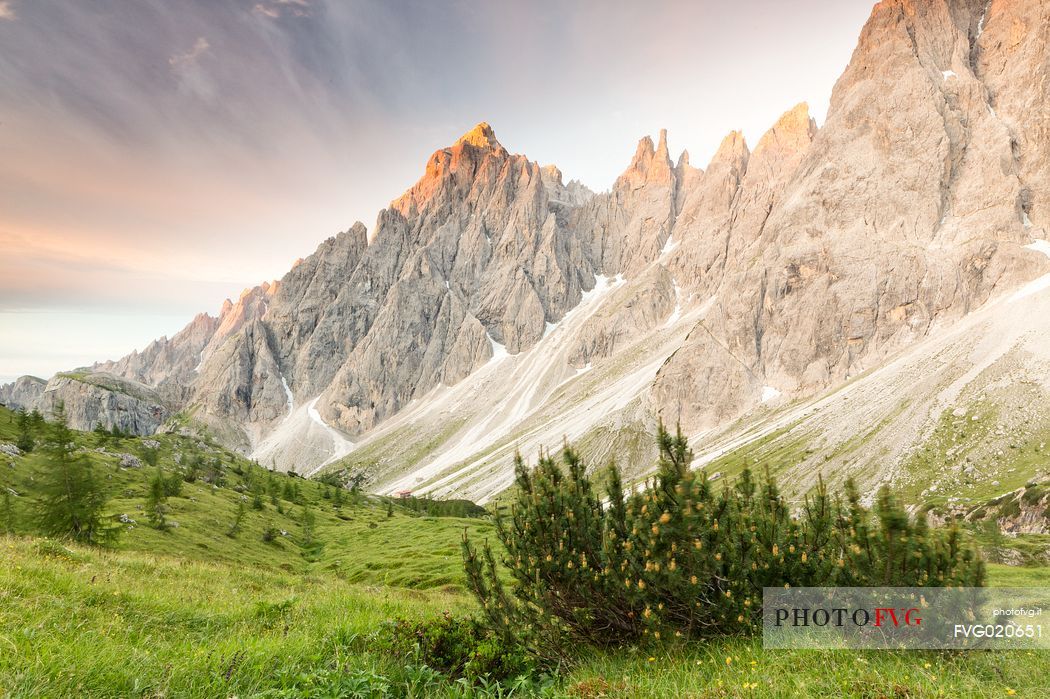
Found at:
<point>160,158</point>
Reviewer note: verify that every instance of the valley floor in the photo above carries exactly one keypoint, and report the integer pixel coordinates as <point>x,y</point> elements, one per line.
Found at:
<point>85,622</point>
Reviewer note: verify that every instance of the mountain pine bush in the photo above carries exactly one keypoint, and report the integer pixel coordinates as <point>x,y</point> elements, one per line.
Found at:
<point>680,559</point>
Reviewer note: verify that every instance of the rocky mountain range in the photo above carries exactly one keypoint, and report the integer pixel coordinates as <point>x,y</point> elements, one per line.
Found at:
<point>826,301</point>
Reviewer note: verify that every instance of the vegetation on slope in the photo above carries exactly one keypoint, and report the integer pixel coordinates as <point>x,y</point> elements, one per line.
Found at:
<point>679,560</point>
<point>283,608</point>
<point>224,508</point>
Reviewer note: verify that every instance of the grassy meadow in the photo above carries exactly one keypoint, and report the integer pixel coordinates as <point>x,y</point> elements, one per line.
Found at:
<point>205,609</point>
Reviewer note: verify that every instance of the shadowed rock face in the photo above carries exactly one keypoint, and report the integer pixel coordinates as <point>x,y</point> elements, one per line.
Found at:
<point>789,269</point>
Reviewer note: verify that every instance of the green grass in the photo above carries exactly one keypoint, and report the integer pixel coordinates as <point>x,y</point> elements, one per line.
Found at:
<point>192,612</point>
<point>76,621</point>
<point>740,668</point>
<point>84,622</point>
<point>1018,576</point>
<point>776,451</point>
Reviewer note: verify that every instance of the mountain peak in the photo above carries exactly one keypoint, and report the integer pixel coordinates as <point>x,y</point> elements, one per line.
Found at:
<point>792,133</point>
<point>481,136</point>
<point>661,149</point>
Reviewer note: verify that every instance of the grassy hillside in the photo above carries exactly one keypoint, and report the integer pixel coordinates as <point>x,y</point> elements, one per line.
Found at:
<point>194,612</point>
<point>356,541</point>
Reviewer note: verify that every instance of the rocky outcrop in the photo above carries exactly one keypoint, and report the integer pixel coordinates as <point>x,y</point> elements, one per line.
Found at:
<point>23,393</point>
<point>98,398</point>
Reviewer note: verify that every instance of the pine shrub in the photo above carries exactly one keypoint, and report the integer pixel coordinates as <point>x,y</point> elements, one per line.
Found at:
<point>680,559</point>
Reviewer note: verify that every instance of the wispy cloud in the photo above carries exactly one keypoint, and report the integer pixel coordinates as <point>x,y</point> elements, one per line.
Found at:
<point>278,8</point>
<point>192,77</point>
<point>200,47</point>
<point>7,11</point>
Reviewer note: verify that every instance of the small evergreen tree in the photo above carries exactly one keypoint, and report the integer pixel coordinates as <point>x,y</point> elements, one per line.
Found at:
<point>257,502</point>
<point>309,522</point>
<point>238,520</point>
<point>150,454</point>
<point>311,546</point>
<point>193,468</point>
<point>389,509</point>
<point>156,503</point>
<point>101,434</point>
<point>71,500</point>
<point>173,484</point>
<point>25,441</point>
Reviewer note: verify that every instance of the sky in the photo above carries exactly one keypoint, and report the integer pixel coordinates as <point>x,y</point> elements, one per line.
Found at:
<point>157,157</point>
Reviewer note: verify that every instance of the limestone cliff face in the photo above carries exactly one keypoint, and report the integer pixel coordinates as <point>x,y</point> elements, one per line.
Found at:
<point>496,302</point>
<point>99,398</point>
<point>91,398</point>
<point>473,257</point>
<point>627,227</point>
<point>23,393</point>
<point>904,211</point>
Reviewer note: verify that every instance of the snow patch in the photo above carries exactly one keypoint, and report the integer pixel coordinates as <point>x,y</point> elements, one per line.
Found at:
<point>1028,224</point>
<point>341,445</point>
<point>769,393</point>
<point>1038,245</point>
<point>288,395</point>
<point>549,328</point>
<point>447,286</point>
<point>980,24</point>
<point>499,352</point>
<point>602,284</point>
<point>669,246</point>
<point>197,369</point>
<point>948,74</point>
